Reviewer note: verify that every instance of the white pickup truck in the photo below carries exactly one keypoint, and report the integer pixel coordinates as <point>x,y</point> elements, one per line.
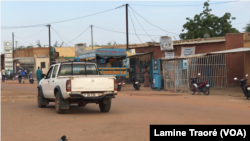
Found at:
<point>76,83</point>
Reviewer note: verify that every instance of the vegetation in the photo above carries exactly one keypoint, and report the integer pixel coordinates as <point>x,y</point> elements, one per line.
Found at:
<point>207,23</point>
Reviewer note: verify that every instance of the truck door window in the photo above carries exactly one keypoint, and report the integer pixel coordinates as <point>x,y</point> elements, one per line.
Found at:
<point>49,73</point>
<point>54,71</point>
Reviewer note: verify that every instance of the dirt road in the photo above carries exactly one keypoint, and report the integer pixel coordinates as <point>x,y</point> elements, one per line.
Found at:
<point>129,118</point>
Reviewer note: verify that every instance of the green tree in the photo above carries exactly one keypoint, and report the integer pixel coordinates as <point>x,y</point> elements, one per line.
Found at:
<point>30,46</point>
<point>110,43</point>
<point>61,44</point>
<point>55,45</point>
<point>206,23</point>
<point>247,28</point>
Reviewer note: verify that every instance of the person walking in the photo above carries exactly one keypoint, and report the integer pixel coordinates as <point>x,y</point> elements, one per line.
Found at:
<point>146,77</point>
<point>3,73</point>
<point>8,74</point>
<point>23,73</point>
<point>38,75</point>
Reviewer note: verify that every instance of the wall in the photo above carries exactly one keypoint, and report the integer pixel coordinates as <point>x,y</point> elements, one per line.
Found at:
<point>29,52</point>
<point>38,64</point>
<point>156,49</point>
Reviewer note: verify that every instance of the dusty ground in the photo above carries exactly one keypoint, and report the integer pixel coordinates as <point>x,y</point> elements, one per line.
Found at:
<point>129,118</point>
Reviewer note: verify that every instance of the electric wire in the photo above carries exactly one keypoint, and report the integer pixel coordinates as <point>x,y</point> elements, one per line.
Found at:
<point>134,27</point>
<point>123,32</point>
<point>142,26</point>
<point>180,5</point>
<point>57,33</point>
<point>39,25</point>
<point>79,34</point>
<point>22,39</point>
<point>32,35</point>
<point>151,23</point>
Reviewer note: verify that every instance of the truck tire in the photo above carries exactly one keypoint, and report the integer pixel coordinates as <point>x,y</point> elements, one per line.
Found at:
<point>119,87</point>
<point>105,107</point>
<point>58,100</point>
<point>40,100</point>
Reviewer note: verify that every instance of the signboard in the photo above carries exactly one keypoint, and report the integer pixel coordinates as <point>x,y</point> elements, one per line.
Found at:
<point>8,64</point>
<point>185,63</point>
<point>131,52</point>
<point>169,55</point>
<point>187,51</point>
<point>80,48</point>
<point>8,55</point>
<point>112,71</point>
<point>112,52</point>
<point>166,43</point>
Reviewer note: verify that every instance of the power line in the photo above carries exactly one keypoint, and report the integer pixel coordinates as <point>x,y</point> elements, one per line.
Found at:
<point>23,40</point>
<point>38,25</point>
<point>32,35</point>
<point>181,5</point>
<point>141,29</point>
<point>123,32</point>
<point>79,35</point>
<point>58,35</point>
<point>142,26</point>
<point>151,23</point>
<point>134,27</point>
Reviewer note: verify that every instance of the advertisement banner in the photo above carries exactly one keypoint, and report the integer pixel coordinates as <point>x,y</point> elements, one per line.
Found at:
<point>8,55</point>
<point>187,51</point>
<point>166,43</point>
<point>169,55</point>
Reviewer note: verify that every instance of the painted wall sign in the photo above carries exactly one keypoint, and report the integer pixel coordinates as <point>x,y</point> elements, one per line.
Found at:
<point>169,55</point>
<point>187,51</point>
<point>110,51</point>
<point>166,43</point>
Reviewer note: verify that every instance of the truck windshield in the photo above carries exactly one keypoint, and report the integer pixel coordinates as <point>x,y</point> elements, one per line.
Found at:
<point>78,69</point>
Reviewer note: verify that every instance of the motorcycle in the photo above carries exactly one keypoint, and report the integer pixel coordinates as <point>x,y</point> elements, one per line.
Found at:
<point>244,86</point>
<point>199,87</point>
<point>31,80</point>
<point>136,84</point>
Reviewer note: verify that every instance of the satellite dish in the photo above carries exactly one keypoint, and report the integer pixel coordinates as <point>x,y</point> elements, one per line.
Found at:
<point>206,36</point>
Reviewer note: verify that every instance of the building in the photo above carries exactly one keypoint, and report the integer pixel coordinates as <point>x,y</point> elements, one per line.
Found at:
<point>31,58</point>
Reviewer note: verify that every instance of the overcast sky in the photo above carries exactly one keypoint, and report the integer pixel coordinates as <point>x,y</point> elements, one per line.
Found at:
<point>171,19</point>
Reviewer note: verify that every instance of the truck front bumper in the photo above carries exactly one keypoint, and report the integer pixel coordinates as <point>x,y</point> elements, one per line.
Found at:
<point>80,96</point>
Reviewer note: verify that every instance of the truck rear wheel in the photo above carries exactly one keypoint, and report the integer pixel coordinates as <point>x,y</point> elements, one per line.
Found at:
<point>105,106</point>
<point>58,101</point>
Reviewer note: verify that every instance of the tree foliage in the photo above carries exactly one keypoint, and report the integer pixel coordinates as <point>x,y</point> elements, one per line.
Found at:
<point>247,28</point>
<point>206,23</point>
<point>38,43</point>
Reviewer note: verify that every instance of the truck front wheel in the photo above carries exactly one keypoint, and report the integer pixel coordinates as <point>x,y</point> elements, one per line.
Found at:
<point>105,105</point>
<point>40,100</point>
<point>58,101</point>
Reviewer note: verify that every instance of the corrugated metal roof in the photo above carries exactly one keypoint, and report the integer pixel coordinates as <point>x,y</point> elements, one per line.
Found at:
<point>242,49</point>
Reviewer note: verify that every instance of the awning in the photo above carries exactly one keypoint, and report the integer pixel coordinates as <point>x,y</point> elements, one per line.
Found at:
<point>242,49</point>
<point>103,53</point>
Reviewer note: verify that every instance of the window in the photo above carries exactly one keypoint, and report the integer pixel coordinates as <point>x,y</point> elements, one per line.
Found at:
<point>42,64</point>
<point>78,69</point>
<point>54,71</point>
<point>49,73</point>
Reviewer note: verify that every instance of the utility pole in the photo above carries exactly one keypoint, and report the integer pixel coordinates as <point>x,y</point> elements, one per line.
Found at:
<point>50,54</point>
<point>13,50</point>
<point>16,49</point>
<point>92,36</point>
<point>127,25</point>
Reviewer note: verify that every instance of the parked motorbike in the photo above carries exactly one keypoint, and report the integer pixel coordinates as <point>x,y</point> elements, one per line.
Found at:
<point>119,87</point>
<point>136,84</point>
<point>31,80</point>
<point>244,86</point>
<point>199,86</point>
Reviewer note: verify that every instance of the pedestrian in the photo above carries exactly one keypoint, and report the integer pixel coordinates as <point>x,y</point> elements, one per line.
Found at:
<point>38,75</point>
<point>3,73</point>
<point>146,77</point>
<point>23,75</point>
<point>8,74</point>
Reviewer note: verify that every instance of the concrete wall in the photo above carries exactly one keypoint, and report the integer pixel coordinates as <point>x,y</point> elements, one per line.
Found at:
<point>156,49</point>
<point>38,64</point>
<point>29,52</point>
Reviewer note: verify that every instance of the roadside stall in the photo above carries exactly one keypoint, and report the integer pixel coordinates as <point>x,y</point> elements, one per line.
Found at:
<point>109,61</point>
